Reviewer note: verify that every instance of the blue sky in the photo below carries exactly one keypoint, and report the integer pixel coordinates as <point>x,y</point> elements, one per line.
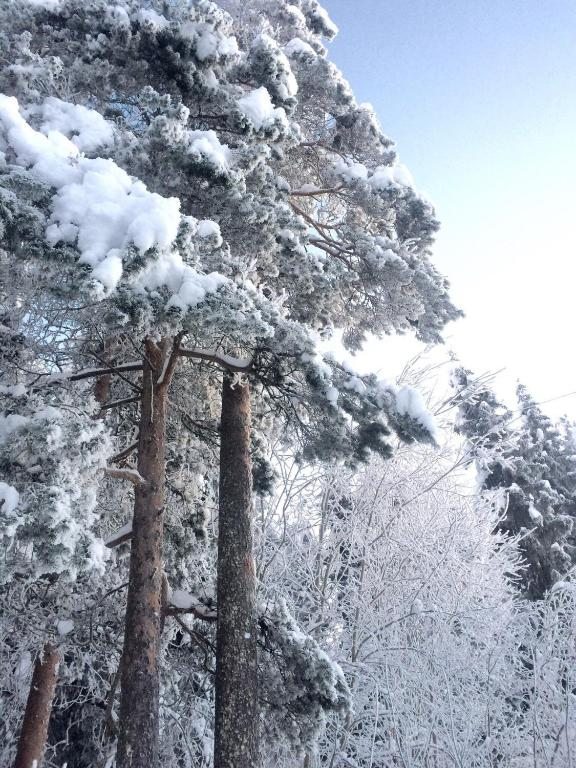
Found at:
<point>480,97</point>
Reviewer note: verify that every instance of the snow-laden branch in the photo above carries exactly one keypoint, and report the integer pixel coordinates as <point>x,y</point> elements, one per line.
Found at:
<point>132,475</point>
<point>118,403</point>
<point>90,373</point>
<point>228,362</point>
<point>180,602</point>
<point>120,536</point>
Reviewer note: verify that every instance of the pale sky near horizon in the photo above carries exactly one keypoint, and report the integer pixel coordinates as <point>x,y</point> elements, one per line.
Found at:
<point>480,97</point>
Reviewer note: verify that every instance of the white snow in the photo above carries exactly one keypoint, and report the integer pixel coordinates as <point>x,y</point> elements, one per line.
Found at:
<point>9,423</point>
<point>188,288</point>
<point>208,228</point>
<point>14,390</point>
<point>64,627</point>
<point>409,402</point>
<point>417,607</point>
<point>86,128</point>
<point>179,598</point>
<point>285,83</point>
<point>322,13</point>
<point>50,5</point>
<point>332,396</point>
<point>350,171</point>
<point>120,533</point>
<point>208,43</point>
<point>381,178</point>
<point>306,189</point>
<point>103,210</point>
<point>297,47</point>
<point>205,146</point>
<point>99,555</point>
<point>257,106</point>
<point>116,14</point>
<point>385,176</point>
<point>150,17</point>
<point>184,601</point>
<point>24,665</point>
<point>9,498</point>
<point>298,18</point>
<point>535,515</point>
<point>355,384</point>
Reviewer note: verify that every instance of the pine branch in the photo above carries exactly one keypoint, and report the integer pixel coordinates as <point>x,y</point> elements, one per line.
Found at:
<point>132,475</point>
<point>229,363</point>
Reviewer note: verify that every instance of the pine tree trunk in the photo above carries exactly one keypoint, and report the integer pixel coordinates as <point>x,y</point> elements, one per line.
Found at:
<point>236,743</point>
<point>139,697</point>
<point>32,741</point>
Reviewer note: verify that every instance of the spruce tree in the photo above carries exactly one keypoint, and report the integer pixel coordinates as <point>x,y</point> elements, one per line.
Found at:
<point>524,458</point>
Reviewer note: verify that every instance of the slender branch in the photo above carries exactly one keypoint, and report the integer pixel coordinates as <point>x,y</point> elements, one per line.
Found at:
<point>120,536</point>
<point>90,373</point>
<point>125,453</point>
<point>118,403</point>
<point>313,193</point>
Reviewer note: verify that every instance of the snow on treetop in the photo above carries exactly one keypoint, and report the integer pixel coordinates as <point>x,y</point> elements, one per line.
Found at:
<point>257,106</point>
<point>99,207</point>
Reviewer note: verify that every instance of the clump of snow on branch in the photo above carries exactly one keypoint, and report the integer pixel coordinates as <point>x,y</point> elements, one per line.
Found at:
<point>296,48</point>
<point>205,146</point>
<point>257,106</point>
<point>100,208</point>
<point>85,128</point>
<point>152,18</point>
<point>9,498</point>
<point>409,403</point>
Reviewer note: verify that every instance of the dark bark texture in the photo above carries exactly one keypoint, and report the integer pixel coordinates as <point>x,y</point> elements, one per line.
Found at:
<point>236,743</point>
<point>139,698</point>
<point>32,741</point>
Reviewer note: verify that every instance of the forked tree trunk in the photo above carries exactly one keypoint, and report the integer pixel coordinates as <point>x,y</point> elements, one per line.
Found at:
<point>236,743</point>
<point>32,741</point>
<point>139,697</point>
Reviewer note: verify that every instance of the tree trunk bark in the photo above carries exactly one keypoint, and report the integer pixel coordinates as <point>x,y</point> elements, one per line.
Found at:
<point>32,741</point>
<point>236,743</point>
<point>139,697</point>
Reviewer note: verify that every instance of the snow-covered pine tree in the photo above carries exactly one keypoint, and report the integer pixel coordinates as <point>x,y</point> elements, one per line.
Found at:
<point>224,133</point>
<point>52,452</point>
<point>523,458</point>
